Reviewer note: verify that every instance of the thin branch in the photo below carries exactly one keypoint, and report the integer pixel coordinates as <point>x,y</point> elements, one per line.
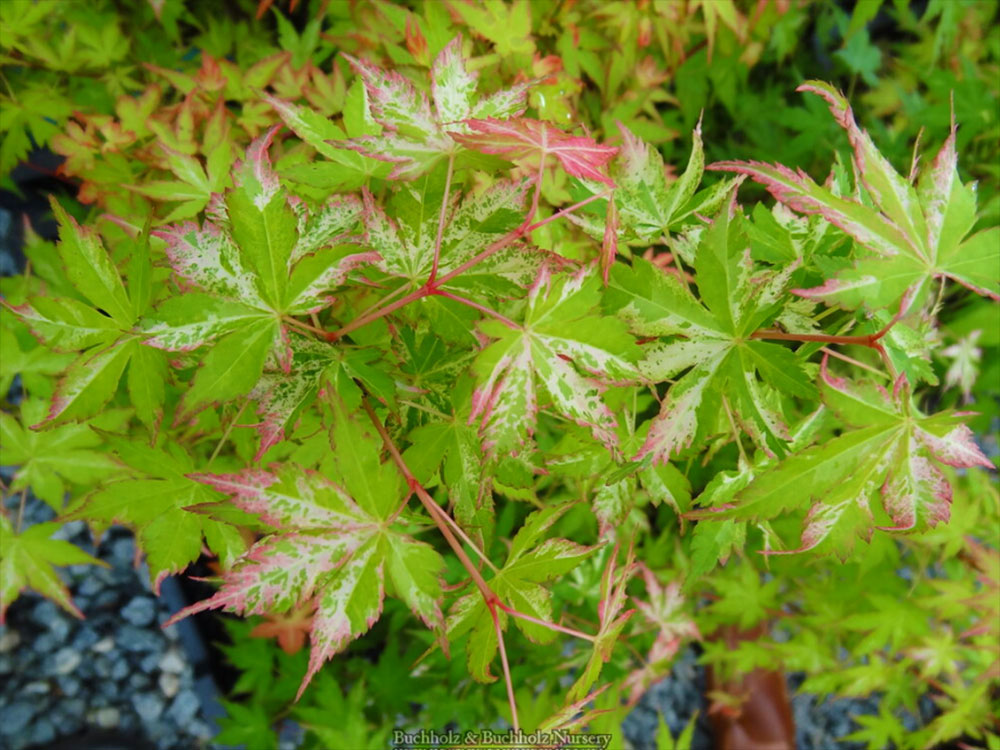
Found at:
<point>432,507</point>
<point>476,306</point>
<point>506,668</point>
<point>441,217</point>
<point>20,510</point>
<point>304,326</point>
<point>568,210</point>
<point>851,360</point>
<point>229,429</point>
<point>545,624</point>
<point>375,314</point>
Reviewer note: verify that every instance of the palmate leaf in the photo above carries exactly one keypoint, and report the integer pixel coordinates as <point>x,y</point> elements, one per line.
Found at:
<point>560,337</point>
<point>517,584</point>
<point>889,458</point>
<point>416,136</point>
<point>335,547</point>
<point>914,234</point>
<point>264,256</point>
<point>524,139</point>
<point>645,207</point>
<point>405,240</point>
<point>101,331</point>
<point>26,562</point>
<point>48,460</point>
<point>281,397</point>
<point>166,530</point>
<point>711,340</point>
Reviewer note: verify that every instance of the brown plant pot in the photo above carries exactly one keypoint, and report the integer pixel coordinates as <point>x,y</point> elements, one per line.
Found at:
<point>761,717</point>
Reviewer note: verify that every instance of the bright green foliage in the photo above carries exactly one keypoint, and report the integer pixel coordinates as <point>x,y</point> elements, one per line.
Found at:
<point>414,360</point>
<point>28,559</point>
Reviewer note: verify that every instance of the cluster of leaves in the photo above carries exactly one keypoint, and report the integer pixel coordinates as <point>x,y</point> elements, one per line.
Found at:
<point>495,364</point>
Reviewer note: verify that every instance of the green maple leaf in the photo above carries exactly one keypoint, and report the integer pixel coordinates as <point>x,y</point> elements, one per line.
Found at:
<point>451,448</point>
<point>102,331</point>
<point>263,257</point>
<point>889,457</point>
<point>167,530</point>
<point>335,545</point>
<point>415,137</point>
<point>712,340</point>
<point>518,584</point>
<point>48,460</point>
<point>914,233</point>
<point>195,183</point>
<point>26,561</point>
<point>559,334</point>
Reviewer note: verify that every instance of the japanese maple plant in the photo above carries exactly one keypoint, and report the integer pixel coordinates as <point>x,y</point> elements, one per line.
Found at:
<point>519,380</point>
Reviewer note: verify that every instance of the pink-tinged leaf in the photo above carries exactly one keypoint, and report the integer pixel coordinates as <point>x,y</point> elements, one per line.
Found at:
<point>674,428</point>
<point>957,447</point>
<point>328,226</point>
<point>800,193</point>
<point>277,574</point>
<point>949,206</point>
<point>894,196</point>
<point>394,101</point>
<point>207,259</point>
<point>254,174</point>
<point>916,490</point>
<point>506,401</point>
<point>89,383</point>
<point>292,499</point>
<point>524,138</point>
<point>857,403</point>
<point>559,340</point>
<point>350,604</point>
<point>453,87</point>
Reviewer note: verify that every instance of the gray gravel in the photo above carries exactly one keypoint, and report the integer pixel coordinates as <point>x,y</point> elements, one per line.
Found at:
<point>117,670</point>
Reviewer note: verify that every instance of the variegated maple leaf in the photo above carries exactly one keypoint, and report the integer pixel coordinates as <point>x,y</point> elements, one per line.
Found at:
<point>263,256</point>
<point>560,339</point>
<point>405,241</point>
<point>889,459</point>
<point>414,135</point>
<point>711,340</point>
<point>646,206</point>
<point>524,139</point>
<point>335,548</point>
<point>915,233</point>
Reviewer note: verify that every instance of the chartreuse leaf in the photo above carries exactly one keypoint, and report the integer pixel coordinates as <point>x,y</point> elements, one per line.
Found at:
<point>710,340</point>
<point>46,461</point>
<point>889,457</point>
<point>416,136</point>
<point>26,561</point>
<point>914,233</point>
<point>334,546</point>
<point>560,333</point>
<point>101,334</point>
<point>517,584</point>
<point>167,531</point>
<point>89,268</point>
